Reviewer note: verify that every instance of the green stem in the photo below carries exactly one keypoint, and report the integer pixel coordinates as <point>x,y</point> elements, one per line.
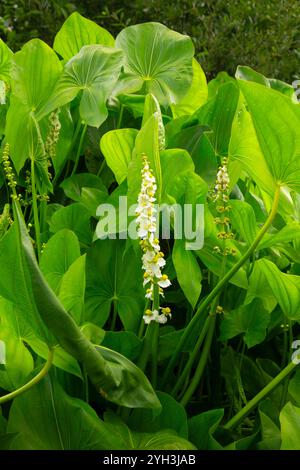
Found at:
<point>35,211</point>
<point>220,285</point>
<point>43,372</point>
<point>154,351</point>
<point>192,358</point>
<point>202,363</point>
<point>79,149</point>
<point>235,420</point>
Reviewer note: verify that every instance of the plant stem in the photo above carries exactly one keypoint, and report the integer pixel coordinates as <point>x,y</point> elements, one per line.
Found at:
<point>192,357</point>
<point>202,363</point>
<point>32,382</point>
<point>221,284</point>
<point>154,350</point>
<point>235,420</point>
<point>35,211</point>
<point>79,149</point>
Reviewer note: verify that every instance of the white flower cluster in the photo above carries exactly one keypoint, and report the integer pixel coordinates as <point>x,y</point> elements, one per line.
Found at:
<point>153,258</point>
<point>222,182</point>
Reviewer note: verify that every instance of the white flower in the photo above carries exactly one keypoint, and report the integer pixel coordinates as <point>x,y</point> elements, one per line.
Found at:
<point>153,259</point>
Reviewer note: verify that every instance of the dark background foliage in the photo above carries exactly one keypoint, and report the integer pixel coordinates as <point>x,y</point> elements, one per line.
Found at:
<point>261,33</point>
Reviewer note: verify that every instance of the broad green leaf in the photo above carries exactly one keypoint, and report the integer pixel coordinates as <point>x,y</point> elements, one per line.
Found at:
<point>113,276</point>
<point>14,272</point>
<point>218,114</point>
<point>251,319</point>
<point>165,439</point>
<point>6,56</point>
<point>93,72</point>
<point>77,32</point>
<point>73,185</point>
<point>59,253</point>
<point>14,355</point>
<point>244,148</point>
<point>172,416</point>
<point>260,288</point>
<point>158,60</point>
<point>285,288</point>
<point>46,418</point>
<point>202,428</point>
<point>146,143</point>
<point>117,147</point>
<point>195,140</point>
<point>268,413</point>
<point>243,220</point>
<point>104,376</point>
<point>17,324</point>
<point>72,289</point>
<point>196,95</point>
<point>248,74</point>
<point>276,121</point>
<point>134,389</point>
<point>74,217</point>
<point>123,342</point>
<point>289,233</point>
<point>290,427</point>
<point>175,165</point>
<point>34,74</point>
<point>188,271</point>
<point>294,386</point>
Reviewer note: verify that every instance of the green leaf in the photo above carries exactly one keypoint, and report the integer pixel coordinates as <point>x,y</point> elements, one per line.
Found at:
<point>289,233</point>
<point>117,147</point>
<point>35,74</point>
<point>46,418</point>
<point>113,276</point>
<point>74,217</point>
<point>77,32</point>
<point>172,416</point>
<point>158,59</point>
<point>124,342</point>
<point>93,72</point>
<point>243,220</point>
<point>16,322</point>
<point>15,273</point>
<point>196,95</point>
<point>134,389</point>
<point>72,289</point>
<point>59,253</point>
<point>195,140</point>
<point>202,428</point>
<point>285,288</point>
<point>244,148</point>
<point>290,427</point>
<point>6,56</point>
<point>218,114</point>
<point>251,319</point>
<point>146,143</point>
<point>248,74</point>
<point>188,271</point>
<point>17,360</point>
<point>73,185</point>
<point>268,414</point>
<point>276,121</point>
<point>165,439</point>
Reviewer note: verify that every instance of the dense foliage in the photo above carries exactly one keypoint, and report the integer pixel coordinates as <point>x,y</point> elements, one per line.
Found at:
<point>145,343</point>
<point>263,33</point>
